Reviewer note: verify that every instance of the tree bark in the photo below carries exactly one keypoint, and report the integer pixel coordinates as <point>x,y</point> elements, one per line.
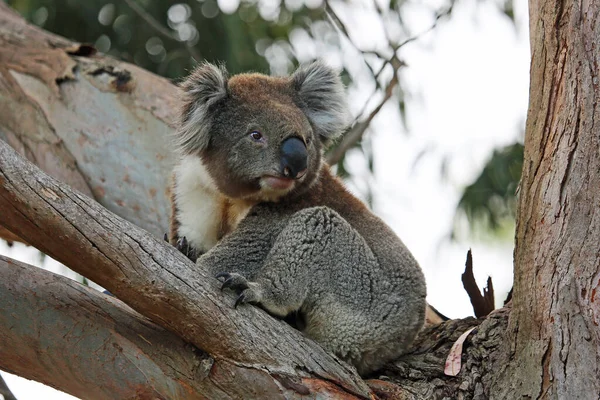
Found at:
<point>78,340</point>
<point>96,123</point>
<point>554,350</point>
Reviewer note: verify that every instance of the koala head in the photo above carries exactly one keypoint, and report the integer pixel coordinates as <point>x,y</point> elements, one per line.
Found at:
<point>261,137</point>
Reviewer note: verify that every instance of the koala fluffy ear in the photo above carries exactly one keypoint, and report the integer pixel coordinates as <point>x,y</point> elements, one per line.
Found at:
<point>323,98</point>
<point>204,87</point>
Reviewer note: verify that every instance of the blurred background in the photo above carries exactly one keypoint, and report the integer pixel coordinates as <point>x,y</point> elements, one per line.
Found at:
<point>438,88</point>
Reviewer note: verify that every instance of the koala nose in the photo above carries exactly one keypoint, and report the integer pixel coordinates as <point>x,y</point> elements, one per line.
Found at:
<point>294,158</point>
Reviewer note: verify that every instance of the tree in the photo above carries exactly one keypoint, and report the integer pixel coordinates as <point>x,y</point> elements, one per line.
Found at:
<point>553,336</point>
<point>545,346</point>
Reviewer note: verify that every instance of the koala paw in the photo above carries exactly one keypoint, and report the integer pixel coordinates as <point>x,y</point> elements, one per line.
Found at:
<point>184,247</point>
<point>247,291</point>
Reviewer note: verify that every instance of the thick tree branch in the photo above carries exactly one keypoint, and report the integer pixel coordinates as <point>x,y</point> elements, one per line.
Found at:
<point>87,333</point>
<point>99,124</point>
<point>160,283</point>
<point>61,333</point>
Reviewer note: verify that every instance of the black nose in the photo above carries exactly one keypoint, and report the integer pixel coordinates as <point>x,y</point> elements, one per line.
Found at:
<point>294,158</point>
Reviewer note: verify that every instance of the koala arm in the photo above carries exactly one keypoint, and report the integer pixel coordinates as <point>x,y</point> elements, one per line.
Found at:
<point>307,260</point>
<point>245,249</point>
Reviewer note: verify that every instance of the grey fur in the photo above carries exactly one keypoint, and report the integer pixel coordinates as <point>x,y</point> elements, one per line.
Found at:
<point>313,249</point>
<point>202,89</point>
<point>322,93</point>
<point>363,300</point>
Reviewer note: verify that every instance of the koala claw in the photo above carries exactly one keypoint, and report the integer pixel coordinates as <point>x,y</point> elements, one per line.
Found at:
<point>241,285</point>
<point>241,299</point>
<point>248,296</point>
<point>234,281</point>
<point>182,245</point>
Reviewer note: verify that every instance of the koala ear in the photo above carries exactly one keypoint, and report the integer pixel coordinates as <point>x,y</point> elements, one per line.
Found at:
<point>323,98</point>
<point>204,87</point>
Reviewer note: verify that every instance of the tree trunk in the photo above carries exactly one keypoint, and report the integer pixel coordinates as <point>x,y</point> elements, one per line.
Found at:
<point>553,333</point>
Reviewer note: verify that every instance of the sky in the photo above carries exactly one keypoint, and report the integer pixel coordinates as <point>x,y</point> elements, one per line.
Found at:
<point>472,77</point>
<point>468,83</point>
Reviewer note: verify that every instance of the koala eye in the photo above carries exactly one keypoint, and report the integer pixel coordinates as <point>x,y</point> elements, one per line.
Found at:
<point>256,136</point>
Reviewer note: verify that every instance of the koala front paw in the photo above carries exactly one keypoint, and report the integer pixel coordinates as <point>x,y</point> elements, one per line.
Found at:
<point>184,247</point>
<point>248,292</point>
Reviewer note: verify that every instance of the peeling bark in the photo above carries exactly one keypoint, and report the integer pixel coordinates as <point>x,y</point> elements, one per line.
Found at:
<point>98,124</point>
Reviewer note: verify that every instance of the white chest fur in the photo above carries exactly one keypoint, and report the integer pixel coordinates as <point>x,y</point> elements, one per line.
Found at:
<point>201,208</point>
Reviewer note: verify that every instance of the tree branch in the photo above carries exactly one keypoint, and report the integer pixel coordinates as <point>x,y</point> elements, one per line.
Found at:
<point>419,374</point>
<point>77,116</point>
<point>49,320</point>
<point>356,132</point>
<point>358,128</point>
<point>158,27</point>
<point>160,283</point>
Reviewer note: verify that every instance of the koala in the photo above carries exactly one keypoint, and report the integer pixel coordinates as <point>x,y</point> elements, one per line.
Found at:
<point>255,205</point>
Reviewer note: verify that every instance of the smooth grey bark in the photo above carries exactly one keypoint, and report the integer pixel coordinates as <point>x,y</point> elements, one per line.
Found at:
<point>96,123</point>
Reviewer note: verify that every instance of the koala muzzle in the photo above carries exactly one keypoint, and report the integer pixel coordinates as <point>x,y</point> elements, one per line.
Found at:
<point>294,158</point>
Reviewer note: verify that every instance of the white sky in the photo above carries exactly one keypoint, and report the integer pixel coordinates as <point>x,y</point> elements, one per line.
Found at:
<point>470,78</point>
<point>474,83</point>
